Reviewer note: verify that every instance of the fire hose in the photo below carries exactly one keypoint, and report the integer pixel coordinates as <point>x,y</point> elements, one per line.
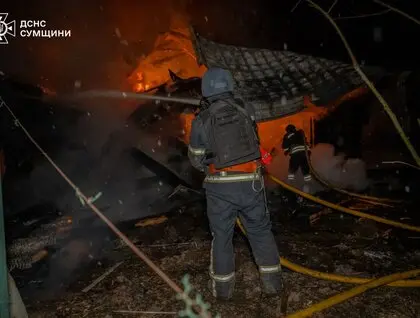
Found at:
<point>394,280</point>
<point>344,209</point>
<point>334,277</point>
<point>339,298</point>
<point>126,95</point>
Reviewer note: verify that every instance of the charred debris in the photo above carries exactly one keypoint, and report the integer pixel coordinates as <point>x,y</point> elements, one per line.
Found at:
<point>42,237</point>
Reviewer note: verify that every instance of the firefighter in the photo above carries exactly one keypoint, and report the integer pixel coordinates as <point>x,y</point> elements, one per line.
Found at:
<point>295,145</point>
<point>224,144</point>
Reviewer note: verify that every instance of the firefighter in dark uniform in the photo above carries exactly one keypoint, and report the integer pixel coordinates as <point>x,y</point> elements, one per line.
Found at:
<point>233,189</point>
<point>295,145</point>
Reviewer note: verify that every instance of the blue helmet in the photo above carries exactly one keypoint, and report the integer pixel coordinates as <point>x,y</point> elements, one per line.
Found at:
<point>216,81</point>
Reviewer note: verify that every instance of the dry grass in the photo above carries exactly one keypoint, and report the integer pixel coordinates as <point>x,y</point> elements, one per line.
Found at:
<point>133,287</point>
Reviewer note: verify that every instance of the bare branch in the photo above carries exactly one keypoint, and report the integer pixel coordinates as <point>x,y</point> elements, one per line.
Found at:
<point>370,84</point>
<point>398,11</point>
<point>332,6</point>
<point>296,5</point>
<point>367,15</point>
<point>403,163</point>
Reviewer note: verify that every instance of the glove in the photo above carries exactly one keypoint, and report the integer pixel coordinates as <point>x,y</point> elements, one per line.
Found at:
<point>266,157</point>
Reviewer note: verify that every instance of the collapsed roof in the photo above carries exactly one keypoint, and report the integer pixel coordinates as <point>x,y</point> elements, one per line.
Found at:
<point>275,82</point>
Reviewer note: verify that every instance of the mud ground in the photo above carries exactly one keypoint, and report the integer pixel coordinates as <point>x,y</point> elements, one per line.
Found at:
<point>334,243</point>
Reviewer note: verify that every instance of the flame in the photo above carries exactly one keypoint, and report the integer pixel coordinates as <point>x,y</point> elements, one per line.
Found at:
<point>172,50</point>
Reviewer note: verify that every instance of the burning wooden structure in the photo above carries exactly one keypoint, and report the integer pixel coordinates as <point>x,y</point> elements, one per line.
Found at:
<point>284,88</point>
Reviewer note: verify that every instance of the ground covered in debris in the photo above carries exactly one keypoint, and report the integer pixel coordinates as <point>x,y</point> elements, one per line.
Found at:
<point>332,243</point>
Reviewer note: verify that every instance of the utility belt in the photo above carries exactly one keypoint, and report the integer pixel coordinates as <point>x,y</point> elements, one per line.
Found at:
<point>249,171</point>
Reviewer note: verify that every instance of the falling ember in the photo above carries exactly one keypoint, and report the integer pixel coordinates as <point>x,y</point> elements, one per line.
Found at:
<point>77,84</point>
<point>118,33</point>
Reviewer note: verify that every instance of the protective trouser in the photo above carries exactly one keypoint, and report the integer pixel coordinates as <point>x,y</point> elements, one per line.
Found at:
<point>299,160</point>
<point>225,202</point>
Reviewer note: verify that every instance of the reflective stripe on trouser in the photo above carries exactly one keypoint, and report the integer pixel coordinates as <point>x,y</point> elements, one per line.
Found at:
<point>270,269</point>
<point>290,177</point>
<point>307,178</point>
<point>225,202</point>
<point>221,285</point>
<point>271,278</point>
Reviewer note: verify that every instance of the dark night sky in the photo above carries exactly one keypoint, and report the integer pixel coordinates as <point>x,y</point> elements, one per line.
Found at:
<point>94,55</point>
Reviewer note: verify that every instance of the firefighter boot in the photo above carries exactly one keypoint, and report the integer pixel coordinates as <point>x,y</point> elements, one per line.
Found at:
<point>272,283</point>
<point>222,290</point>
<point>307,179</point>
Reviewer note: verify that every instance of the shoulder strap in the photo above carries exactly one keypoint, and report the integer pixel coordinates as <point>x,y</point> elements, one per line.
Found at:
<point>204,115</point>
<point>241,109</point>
<point>246,113</point>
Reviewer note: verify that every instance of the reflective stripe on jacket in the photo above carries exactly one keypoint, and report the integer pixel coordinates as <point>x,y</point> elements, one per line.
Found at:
<point>296,149</point>
<point>224,177</point>
<point>295,142</point>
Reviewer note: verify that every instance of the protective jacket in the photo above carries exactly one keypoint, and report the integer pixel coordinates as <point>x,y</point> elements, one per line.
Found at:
<point>200,154</point>
<point>294,142</point>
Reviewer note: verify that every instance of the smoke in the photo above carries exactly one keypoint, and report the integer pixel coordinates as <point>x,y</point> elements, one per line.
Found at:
<point>95,152</point>
<point>343,173</point>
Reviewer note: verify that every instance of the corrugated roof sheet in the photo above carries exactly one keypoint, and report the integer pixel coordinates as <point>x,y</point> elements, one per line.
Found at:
<point>274,82</point>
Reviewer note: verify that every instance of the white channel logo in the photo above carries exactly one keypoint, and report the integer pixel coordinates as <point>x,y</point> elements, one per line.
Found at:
<point>6,28</point>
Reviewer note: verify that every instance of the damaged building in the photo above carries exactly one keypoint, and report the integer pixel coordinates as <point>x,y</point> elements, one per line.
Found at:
<point>128,158</point>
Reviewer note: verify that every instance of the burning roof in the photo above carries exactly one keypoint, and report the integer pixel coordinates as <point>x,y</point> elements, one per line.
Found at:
<point>275,82</point>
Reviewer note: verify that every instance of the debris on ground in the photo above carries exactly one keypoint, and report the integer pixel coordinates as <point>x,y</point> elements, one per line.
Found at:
<point>181,245</point>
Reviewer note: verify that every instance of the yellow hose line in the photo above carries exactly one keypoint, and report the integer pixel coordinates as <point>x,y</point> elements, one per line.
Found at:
<point>333,277</point>
<point>345,210</point>
<point>340,278</point>
<point>373,200</point>
<point>329,302</point>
